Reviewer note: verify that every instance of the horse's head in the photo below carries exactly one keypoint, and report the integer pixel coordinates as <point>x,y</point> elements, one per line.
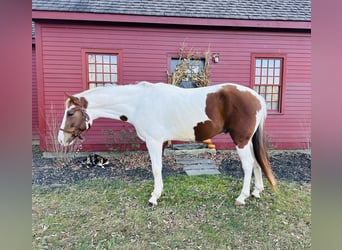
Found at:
<point>75,120</point>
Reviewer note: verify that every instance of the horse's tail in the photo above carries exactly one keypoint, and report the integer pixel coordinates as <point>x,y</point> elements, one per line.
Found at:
<point>260,152</point>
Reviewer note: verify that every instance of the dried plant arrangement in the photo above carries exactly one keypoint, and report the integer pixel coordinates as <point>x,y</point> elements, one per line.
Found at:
<point>188,60</point>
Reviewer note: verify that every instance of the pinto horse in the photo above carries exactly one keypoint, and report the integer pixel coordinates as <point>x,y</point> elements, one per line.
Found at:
<point>161,112</point>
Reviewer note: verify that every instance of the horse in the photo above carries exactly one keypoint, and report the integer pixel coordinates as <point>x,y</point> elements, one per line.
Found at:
<point>161,112</point>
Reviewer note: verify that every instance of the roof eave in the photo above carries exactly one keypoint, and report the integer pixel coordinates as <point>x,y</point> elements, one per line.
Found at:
<point>100,17</point>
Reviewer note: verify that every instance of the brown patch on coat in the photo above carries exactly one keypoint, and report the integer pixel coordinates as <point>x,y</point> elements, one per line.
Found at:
<point>230,111</point>
<point>75,119</point>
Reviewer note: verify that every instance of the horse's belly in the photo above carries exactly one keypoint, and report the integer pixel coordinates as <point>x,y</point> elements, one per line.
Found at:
<point>184,130</point>
<point>184,135</point>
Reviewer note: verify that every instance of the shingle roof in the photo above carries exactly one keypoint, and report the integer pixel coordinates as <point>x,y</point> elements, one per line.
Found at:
<point>286,10</point>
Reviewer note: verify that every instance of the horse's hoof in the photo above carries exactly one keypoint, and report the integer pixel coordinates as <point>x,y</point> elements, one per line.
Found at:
<point>239,203</point>
<point>255,197</point>
<point>255,194</point>
<point>151,205</point>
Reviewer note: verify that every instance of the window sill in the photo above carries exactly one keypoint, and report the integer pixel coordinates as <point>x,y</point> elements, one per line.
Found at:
<point>274,113</point>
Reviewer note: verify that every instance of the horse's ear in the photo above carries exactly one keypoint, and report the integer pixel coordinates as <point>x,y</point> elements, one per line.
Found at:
<point>71,100</point>
<point>84,102</point>
<point>68,95</point>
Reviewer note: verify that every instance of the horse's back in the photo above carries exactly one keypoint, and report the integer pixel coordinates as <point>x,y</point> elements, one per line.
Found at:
<point>176,112</point>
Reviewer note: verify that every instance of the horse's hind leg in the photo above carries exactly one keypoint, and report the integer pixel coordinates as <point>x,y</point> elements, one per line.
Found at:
<point>247,161</point>
<point>155,149</point>
<point>259,185</point>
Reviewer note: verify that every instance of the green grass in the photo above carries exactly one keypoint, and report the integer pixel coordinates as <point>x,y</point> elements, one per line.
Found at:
<point>193,213</point>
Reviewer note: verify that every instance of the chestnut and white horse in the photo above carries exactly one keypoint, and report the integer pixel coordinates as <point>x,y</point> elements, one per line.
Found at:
<point>162,112</point>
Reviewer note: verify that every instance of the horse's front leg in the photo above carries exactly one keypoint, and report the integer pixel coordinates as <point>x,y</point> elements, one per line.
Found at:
<point>155,149</point>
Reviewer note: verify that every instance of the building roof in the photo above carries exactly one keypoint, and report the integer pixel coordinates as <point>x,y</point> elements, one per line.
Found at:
<point>275,10</point>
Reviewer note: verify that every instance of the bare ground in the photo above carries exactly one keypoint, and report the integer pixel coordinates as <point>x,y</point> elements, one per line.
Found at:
<point>291,166</point>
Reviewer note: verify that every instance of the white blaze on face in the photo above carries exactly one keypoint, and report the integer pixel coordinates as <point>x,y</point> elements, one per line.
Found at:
<point>62,139</point>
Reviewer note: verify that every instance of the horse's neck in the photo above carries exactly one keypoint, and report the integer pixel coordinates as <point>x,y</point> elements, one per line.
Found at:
<point>111,102</point>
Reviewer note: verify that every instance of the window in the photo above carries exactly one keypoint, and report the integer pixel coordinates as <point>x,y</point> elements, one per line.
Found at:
<point>191,68</point>
<point>267,78</point>
<point>101,68</point>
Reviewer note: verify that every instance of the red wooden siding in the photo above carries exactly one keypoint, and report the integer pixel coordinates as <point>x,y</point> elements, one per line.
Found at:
<point>146,52</point>
<point>35,123</point>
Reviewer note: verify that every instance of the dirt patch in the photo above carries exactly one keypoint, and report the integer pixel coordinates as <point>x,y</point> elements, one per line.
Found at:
<point>292,166</point>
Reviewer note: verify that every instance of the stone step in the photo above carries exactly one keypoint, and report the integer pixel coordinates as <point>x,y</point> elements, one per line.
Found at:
<point>194,172</point>
<point>168,151</point>
<point>188,149</point>
<point>193,161</point>
<point>197,166</point>
<point>189,146</point>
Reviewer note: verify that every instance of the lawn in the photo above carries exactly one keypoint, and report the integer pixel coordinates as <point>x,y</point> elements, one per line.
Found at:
<point>193,213</point>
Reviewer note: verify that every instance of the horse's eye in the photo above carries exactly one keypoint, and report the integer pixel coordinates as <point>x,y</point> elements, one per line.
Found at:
<point>69,113</point>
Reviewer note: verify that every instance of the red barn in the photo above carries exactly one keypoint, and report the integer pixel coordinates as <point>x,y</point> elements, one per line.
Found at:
<point>265,45</point>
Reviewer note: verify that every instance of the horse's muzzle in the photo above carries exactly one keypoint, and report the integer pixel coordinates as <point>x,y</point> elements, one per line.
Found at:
<point>64,141</point>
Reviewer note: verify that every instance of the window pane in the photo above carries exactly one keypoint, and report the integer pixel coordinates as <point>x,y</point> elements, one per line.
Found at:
<point>270,72</point>
<point>277,63</point>
<point>113,60</point>
<point>263,80</point>
<point>276,80</point>
<point>271,63</point>
<point>269,89</point>
<point>257,88</point>
<point>99,77</point>
<point>264,71</point>
<point>264,63</point>
<point>106,59</point>
<point>268,97</point>
<point>276,90</point>
<point>91,67</point>
<point>257,80</point>
<point>262,89</point>
<point>98,59</point>
<point>275,106</point>
<point>99,85</point>
<point>106,69</point>
<point>277,72</point>
<point>99,68</point>
<point>91,58</point>
<point>106,78</point>
<point>257,71</point>
<point>270,80</point>
<point>195,70</point>
<point>92,85</point>
<point>258,63</point>
<point>92,77</point>
<point>275,97</point>
<point>114,77</point>
<point>114,68</point>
